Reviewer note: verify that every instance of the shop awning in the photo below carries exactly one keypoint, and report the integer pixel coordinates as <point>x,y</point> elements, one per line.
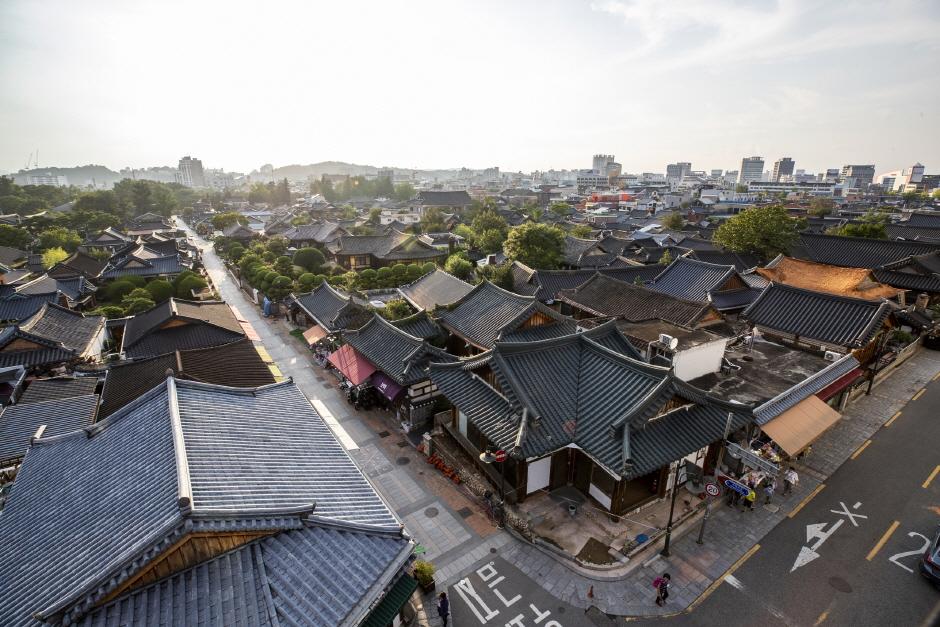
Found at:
<point>839,384</point>
<point>388,608</point>
<point>799,426</point>
<point>384,384</point>
<point>354,366</point>
<point>314,334</point>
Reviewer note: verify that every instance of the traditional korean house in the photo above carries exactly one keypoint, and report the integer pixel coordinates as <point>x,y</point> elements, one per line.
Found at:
<point>178,509</point>
<point>917,273</point>
<point>241,233</point>
<point>314,235</point>
<point>435,289</point>
<point>53,336</point>
<point>446,201</point>
<point>818,277</point>
<point>719,285</point>
<point>819,322</point>
<point>545,285</point>
<point>580,410</point>
<point>356,252</point>
<point>145,262</point>
<point>16,307</point>
<point>75,293</point>
<point>401,362</point>
<point>857,252</point>
<point>147,224</point>
<point>78,264</point>
<point>489,313</point>
<point>326,310</point>
<point>108,240</point>
<point>178,324</point>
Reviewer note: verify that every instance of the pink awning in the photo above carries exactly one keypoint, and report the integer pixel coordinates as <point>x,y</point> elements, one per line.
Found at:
<point>354,366</point>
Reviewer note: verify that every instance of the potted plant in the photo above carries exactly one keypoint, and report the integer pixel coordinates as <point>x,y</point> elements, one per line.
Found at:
<point>424,573</point>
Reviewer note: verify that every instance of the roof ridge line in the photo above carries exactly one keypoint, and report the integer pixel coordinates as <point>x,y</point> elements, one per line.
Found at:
<point>184,495</point>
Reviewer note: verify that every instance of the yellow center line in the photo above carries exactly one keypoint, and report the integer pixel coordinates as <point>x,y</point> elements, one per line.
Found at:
<point>881,543</point>
<point>930,478</point>
<point>936,376</point>
<point>720,580</point>
<point>822,617</point>
<point>893,418</point>
<point>919,394</point>
<point>806,500</point>
<point>860,449</point>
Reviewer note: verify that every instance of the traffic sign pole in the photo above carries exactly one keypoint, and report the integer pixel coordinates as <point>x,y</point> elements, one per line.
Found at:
<point>711,489</point>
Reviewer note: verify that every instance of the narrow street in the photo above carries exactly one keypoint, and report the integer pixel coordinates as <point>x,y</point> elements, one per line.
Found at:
<point>850,554</point>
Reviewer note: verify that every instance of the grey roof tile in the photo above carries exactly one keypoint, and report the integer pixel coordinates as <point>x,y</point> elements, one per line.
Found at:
<point>18,423</point>
<point>207,323</point>
<point>858,252</point>
<point>331,308</point>
<point>811,385</point>
<point>58,388</point>
<point>15,308</point>
<point>436,288</point>
<point>72,329</point>
<point>692,280</point>
<point>546,284</point>
<point>402,357</point>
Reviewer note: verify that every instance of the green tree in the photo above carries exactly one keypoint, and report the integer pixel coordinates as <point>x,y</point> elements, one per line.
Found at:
<point>310,259</point>
<point>536,245</point>
<point>280,287</point>
<point>141,197</point>
<point>873,225</point>
<point>490,230</point>
<point>348,213</point>
<point>307,281</point>
<point>222,221</point>
<point>432,220</point>
<point>368,279</point>
<point>404,192</point>
<point>428,267</point>
<point>561,208</point>
<point>764,231</point>
<point>284,265</point>
<point>673,221</point>
<point>582,231</point>
<point>396,309</point>
<point>159,290</point>
<point>666,258</point>
<point>414,272</point>
<point>375,215</point>
<point>741,189</point>
<point>277,245</point>
<point>383,188</point>
<point>459,267</point>
<point>134,306</point>
<point>820,207</point>
<point>14,237</point>
<point>109,311</point>
<point>259,193</point>
<point>184,289</point>
<point>52,256</point>
<point>400,273</point>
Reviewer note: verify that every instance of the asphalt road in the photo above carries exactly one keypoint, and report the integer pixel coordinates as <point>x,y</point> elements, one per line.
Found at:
<point>868,527</point>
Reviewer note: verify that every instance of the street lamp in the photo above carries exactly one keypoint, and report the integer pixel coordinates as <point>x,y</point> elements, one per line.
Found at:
<point>672,507</point>
<point>489,456</point>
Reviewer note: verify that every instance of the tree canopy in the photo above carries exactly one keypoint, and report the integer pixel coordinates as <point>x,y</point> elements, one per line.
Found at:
<point>14,237</point>
<point>536,245</point>
<point>224,220</point>
<point>872,225</point>
<point>765,231</point>
<point>53,256</point>
<point>673,221</point>
<point>59,237</point>
<point>820,207</point>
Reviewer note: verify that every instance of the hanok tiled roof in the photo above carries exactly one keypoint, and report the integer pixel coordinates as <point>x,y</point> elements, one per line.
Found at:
<point>690,279</point>
<point>79,264</point>
<point>142,262</point>
<point>10,256</point>
<point>72,329</point>
<point>108,237</point>
<point>930,219</point>
<point>488,311</point>
<point>92,508</point>
<point>816,382</point>
<point>857,252</point>
<point>19,423</point>
<point>906,231</point>
<point>331,308</point>
<point>605,296</point>
<point>179,325</point>
<point>58,388</point>
<point>420,325</point>
<point>919,272</point>
<point>741,262</point>
<point>14,308</point>
<point>851,282</point>
<point>444,199</point>
<point>75,289</point>
<point>573,390</point>
<point>321,232</point>
<point>402,357</point>
<point>436,288</point>
<point>388,247</point>
<point>546,284</point>
<point>835,320</point>
<point>239,230</point>
<point>585,253</point>
<point>236,364</point>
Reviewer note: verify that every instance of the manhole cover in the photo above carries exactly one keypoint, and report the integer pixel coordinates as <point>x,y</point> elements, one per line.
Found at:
<point>384,434</point>
<point>492,550</point>
<point>465,512</point>
<point>431,512</point>
<point>403,461</point>
<point>561,610</point>
<point>840,584</point>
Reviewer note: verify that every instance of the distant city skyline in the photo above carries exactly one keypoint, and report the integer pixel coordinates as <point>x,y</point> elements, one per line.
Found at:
<point>410,85</point>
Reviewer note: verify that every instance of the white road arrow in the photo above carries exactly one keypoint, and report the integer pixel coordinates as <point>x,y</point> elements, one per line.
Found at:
<point>815,531</point>
<point>806,556</point>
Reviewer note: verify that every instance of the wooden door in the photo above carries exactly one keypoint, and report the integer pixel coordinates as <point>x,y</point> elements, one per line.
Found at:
<point>582,471</point>
<point>559,472</point>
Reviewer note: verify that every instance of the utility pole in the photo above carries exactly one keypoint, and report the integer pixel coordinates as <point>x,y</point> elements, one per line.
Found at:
<point>672,508</point>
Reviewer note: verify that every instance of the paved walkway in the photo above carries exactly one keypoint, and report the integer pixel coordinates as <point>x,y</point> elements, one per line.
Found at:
<point>457,535</point>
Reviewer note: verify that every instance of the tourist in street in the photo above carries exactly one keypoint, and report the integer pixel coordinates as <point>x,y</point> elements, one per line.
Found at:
<point>443,607</point>
<point>751,496</point>
<point>662,588</point>
<point>790,479</point>
<point>770,486</point>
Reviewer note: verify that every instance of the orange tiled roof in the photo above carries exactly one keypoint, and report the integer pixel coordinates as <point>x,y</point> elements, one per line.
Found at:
<point>819,277</point>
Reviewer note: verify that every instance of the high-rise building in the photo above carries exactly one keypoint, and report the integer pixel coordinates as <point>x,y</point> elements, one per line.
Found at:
<point>599,165</point>
<point>863,174</point>
<point>716,174</point>
<point>191,173</point>
<point>678,170</point>
<point>48,178</point>
<point>783,168</point>
<point>752,169</point>
<point>614,168</point>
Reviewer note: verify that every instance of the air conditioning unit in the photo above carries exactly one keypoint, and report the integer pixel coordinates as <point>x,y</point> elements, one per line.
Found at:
<point>668,340</point>
<point>832,356</point>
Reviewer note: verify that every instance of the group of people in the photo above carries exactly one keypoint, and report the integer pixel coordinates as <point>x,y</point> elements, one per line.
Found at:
<point>761,483</point>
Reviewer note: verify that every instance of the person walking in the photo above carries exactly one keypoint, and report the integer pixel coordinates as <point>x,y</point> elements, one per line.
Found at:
<point>662,588</point>
<point>751,496</point>
<point>790,479</point>
<point>443,607</point>
<point>770,486</point>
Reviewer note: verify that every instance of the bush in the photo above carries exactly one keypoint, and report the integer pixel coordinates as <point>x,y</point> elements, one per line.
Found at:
<point>368,279</point>
<point>309,258</point>
<point>459,267</point>
<point>268,256</point>
<point>136,281</point>
<point>135,306</point>
<point>396,309</point>
<point>424,572</point>
<point>160,290</point>
<point>428,267</point>
<point>414,272</point>
<point>109,311</point>
<point>114,292</point>
<point>187,285</point>
<point>182,276</point>
<point>277,245</point>
<point>137,292</point>
<point>307,281</point>
<point>384,276</point>
<point>284,265</point>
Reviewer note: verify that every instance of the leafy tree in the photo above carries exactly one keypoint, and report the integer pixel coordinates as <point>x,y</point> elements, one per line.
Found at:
<point>182,276</point>
<point>159,290</point>
<point>404,192</point>
<point>582,231</point>
<point>536,245</point>
<point>235,251</point>
<point>764,231</point>
<point>277,245</point>
<point>185,287</point>
<point>53,256</point>
<point>820,207</point>
<point>873,224</point>
<point>284,265</point>
<point>134,306</point>
<point>310,259</point>
<point>258,193</point>
<point>432,220</point>
<point>428,267</point>
<point>15,237</point>
<point>561,208</point>
<point>300,220</point>
<point>269,256</point>
<point>307,281</point>
<point>115,292</point>
<point>459,267</point>
<point>375,215</point>
<point>280,287</point>
<point>673,221</point>
<point>109,311</point>
<point>368,279</point>
<point>385,277</point>
<point>741,189</point>
<point>490,230</point>
<point>498,275</point>
<point>348,213</point>
<point>395,309</point>
<point>222,221</point>
<point>666,258</point>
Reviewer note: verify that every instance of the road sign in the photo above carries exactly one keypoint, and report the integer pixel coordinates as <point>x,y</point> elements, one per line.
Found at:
<point>750,459</point>
<point>738,487</point>
<point>500,455</point>
<point>712,489</point>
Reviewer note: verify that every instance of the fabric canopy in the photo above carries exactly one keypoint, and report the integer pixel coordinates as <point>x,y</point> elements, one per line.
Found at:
<point>314,334</point>
<point>799,426</point>
<point>839,384</point>
<point>384,384</point>
<point>354,366</point>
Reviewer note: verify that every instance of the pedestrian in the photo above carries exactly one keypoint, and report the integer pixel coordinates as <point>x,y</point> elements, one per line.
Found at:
<point>790,479</point>
<point>770,485</point>
<point>443,607</point>
<point>751,496</point>
<point>662,588</point>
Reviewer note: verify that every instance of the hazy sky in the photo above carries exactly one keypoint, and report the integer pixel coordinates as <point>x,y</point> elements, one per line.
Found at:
<point>521,85</point>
